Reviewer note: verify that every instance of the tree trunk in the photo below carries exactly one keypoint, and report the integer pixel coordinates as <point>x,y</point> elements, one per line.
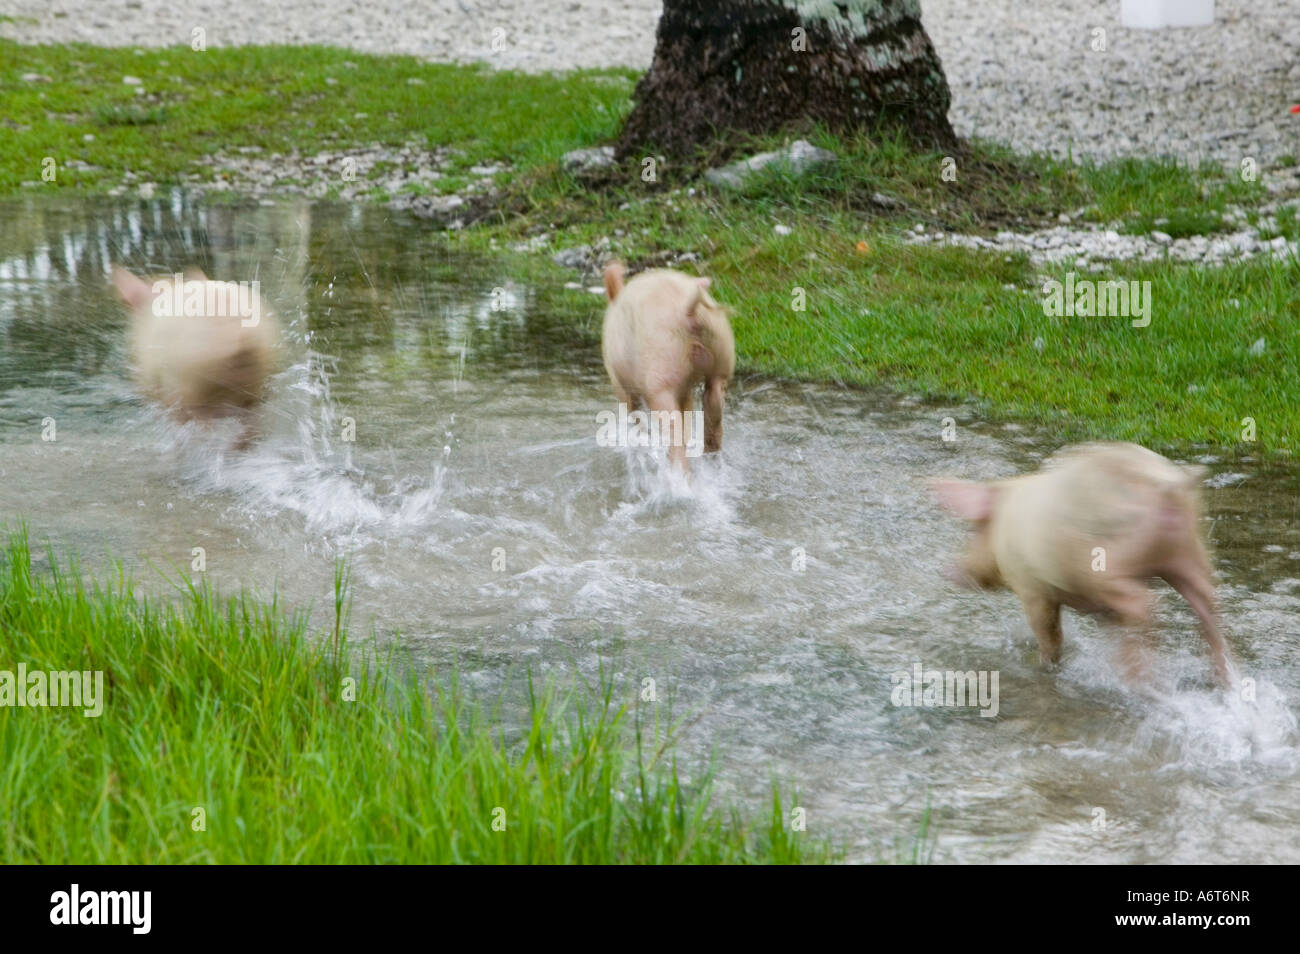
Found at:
<point>762,66</point>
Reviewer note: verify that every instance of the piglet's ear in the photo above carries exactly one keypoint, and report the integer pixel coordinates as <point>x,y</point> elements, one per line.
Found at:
<point>134,292</point>
<point>705,282</point>
<point>967,499</point>
<point>195,274</point>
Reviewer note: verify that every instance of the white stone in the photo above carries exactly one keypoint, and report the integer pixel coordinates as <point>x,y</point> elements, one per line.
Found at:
<point>796,158</point>
<point>597,157</point>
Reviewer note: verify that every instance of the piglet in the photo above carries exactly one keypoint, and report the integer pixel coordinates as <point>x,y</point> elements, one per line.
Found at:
<point>663,336</point>
<point>200,348</point>
<point>1089,531</point>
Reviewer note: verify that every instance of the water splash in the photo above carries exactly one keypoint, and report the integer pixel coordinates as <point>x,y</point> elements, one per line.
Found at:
<point>302,467</point>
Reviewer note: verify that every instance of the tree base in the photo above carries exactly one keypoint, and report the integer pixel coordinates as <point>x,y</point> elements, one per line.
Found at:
<point>743,66</point>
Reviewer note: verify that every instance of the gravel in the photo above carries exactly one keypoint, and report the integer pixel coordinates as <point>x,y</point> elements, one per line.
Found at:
<point>408,174</point>
<point>1088,247</point>
<point>518,34</point>
<point>1026,74</point>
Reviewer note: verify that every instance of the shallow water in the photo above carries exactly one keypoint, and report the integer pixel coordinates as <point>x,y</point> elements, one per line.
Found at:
<point>484,524</point>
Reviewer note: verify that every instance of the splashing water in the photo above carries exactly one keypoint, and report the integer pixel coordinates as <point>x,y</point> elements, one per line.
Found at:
<point>447,445</point>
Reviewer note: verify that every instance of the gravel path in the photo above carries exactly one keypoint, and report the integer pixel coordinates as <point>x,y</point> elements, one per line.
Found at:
<point>537,34</point>
<point>1021,73</point>
<point>1024,73</point>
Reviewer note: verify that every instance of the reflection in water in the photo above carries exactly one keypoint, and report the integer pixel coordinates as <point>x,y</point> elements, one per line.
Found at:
<point>436,422</point>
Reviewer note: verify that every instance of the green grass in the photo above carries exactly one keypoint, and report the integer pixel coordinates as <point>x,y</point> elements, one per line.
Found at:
<point>191,105</point>
<point>947,324</point>
<point>1163,195</point>
<point>1288,224</point>
<point>953,323</point>
<point>232,707</point>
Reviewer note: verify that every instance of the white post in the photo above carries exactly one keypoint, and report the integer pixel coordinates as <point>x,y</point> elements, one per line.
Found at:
<point>1154,14</point>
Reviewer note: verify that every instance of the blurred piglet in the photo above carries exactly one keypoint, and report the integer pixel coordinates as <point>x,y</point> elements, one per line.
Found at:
<point>663,336</point>
<point>1090,531</point>
<point>202,349</point>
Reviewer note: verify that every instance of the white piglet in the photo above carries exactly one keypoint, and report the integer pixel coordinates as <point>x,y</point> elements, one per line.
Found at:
<point>200,348</point>
<point>1090,531</point>
<point>663,337</point>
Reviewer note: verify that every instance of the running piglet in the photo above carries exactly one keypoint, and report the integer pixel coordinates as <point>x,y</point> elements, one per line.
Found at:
<point>202,349</point>
<point>664,335</point>
<point>1090,531</point>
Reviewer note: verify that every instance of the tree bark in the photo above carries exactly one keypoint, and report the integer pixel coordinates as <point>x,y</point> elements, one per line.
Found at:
<point>763,66</point>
